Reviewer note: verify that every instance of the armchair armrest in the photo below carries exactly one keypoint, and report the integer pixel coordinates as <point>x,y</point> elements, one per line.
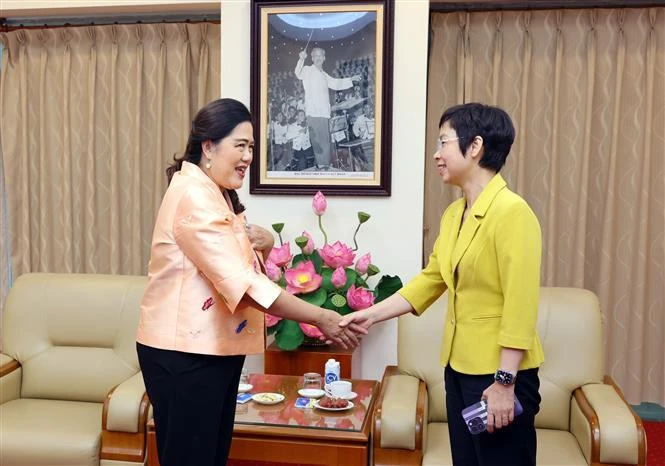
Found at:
<point>400,418</point>
<point>124,420</point>
<point>617,435</point>
<point>10,378</point>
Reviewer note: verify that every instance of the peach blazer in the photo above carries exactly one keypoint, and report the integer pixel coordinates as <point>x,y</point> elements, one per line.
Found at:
<point>201,266</point>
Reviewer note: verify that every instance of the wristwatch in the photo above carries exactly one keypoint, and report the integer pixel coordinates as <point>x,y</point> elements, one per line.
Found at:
<point>504,377</point>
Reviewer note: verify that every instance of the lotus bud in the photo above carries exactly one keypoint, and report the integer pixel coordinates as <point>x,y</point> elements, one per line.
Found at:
<point>338,278</point>
<point>280,256</point>
<point>309,248</point>
<point>319,203</point>
<point>363,263</point>
<point>359,298</point>
<point>273,272</point>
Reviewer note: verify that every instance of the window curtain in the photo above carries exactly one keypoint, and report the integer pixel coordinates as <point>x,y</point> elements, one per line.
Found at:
<point>90,118</point>
<point>5,258</point>
<point>585,91</point>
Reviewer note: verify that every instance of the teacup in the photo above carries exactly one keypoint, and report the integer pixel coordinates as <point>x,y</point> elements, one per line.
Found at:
<point>339,388</point>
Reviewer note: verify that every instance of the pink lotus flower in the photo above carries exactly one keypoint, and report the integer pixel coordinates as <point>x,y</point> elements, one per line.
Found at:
<point>338,278</point>
<point>302,278</point>
<point>273,272</point>
<point>363,263</point>
<point>280,256</point>
<point>359,298</point>
<point>302,274</point>
<point>310,330</point>
<point>309,247</point>
<point>271,320</point>
<point>319,203</point>
<point>337,255</point>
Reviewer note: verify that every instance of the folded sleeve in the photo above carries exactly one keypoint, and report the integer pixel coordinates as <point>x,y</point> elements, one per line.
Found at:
<point>204,231</point>
<point>519,244</point>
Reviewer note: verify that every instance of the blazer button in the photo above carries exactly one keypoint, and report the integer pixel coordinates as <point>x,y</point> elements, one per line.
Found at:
<point>452,321</point>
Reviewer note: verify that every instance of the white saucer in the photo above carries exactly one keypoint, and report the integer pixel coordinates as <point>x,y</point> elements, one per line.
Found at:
<point>349,406</point>
<point>350,396</point>
<point>244,387</point>
<point>268,398</point>
<point>311,392</point>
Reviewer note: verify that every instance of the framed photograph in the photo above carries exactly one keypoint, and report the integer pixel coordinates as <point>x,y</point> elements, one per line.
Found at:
<point>321,97</point>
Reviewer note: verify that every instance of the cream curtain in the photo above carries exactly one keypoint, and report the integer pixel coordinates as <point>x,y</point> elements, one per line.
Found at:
<point>90,118</point>
<point>585,90</point>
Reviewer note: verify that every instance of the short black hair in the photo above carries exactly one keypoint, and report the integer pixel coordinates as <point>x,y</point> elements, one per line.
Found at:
<point>493,124</point>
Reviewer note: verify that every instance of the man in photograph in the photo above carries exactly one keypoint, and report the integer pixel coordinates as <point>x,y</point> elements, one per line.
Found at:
<point>316,83</point>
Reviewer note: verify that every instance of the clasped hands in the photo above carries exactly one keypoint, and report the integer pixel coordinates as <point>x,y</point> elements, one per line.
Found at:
<point>347,337</point>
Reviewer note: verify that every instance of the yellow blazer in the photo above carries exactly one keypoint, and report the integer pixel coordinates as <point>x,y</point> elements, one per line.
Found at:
<point>491,270</point>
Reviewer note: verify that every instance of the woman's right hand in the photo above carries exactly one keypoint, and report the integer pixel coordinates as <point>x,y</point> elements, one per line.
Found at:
<point>347,337</point>
<point>359,319</point>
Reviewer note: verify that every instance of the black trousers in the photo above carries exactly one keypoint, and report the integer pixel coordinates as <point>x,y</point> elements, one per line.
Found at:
<point>194,400</point>
<point>514,445</point>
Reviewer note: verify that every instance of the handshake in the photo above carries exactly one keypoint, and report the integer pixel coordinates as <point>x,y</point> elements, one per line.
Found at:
<point>345,331</point>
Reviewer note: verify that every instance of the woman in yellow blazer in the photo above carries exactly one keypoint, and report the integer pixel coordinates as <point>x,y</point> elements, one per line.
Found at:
<point>203,307</point>
<point>487,256</point>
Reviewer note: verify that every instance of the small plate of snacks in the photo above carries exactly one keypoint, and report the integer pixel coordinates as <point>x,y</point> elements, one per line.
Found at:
<point>333,404</point>
<point>268,398</point>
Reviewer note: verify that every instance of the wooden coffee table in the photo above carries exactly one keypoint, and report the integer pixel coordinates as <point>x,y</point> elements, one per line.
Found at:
<point>288,434</point>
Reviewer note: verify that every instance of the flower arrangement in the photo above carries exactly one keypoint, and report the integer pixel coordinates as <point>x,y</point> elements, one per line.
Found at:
<point>325,277</point>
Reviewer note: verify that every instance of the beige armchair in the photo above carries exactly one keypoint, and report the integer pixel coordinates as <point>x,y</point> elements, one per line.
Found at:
<point>70,388</point>
<point>584,419</point>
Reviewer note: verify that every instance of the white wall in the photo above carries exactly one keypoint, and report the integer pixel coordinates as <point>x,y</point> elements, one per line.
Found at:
<point>394,233</point>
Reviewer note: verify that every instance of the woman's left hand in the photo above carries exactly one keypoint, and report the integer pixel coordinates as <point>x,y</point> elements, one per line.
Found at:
<point>261,239</point>
<point>500,405</point>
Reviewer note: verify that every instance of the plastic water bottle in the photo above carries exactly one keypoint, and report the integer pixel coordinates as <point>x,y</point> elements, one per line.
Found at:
<point>332,371</point>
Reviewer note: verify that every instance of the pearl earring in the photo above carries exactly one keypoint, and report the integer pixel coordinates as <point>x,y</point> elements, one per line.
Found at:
<point>208,165</point>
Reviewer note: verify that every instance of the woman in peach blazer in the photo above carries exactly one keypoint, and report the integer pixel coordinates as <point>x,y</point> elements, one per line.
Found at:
<point>202,311</point>
<point>487,256</point>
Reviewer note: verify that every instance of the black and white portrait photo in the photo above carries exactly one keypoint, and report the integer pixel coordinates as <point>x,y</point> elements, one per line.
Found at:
<point>321,95</point>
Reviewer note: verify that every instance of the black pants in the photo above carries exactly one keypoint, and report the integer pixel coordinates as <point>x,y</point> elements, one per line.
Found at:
<point>514,445</point>
<point>194,400</point>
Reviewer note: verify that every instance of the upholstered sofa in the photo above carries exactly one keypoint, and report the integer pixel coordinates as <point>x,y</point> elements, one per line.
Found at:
<point>584,419</point>
<point>70,388</point>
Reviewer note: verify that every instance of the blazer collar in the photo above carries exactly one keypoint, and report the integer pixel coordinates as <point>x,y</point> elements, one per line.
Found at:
<point>487,195</point>
<point>194,171</point>
<point>473,220</point>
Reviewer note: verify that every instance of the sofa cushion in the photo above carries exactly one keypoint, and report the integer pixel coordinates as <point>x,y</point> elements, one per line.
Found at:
<point>79,343</point>
<point>50,432</point>
<point>418,347</point>
<point>571,334</point>
<point>558,448</point>
<point>555,447</point>
<point>437,452</point>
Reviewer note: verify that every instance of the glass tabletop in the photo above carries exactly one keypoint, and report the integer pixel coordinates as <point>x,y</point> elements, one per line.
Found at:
<point>285,413</point>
